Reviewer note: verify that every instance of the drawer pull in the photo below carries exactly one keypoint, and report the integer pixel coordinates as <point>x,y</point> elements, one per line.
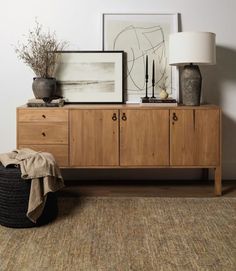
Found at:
<point>43,134</point>
<point>114,117</point>
<point>124,118</point>
<point>44,116</point>
<point>175,117</point>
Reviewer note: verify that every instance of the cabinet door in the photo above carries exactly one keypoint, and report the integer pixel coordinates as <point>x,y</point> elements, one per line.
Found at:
<point>144,137</point>
<point>194,137</point>
<point>94,138</point>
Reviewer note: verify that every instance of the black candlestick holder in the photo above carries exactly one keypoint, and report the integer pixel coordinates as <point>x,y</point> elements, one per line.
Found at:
<point>146,98</point>
<point>153,90</point>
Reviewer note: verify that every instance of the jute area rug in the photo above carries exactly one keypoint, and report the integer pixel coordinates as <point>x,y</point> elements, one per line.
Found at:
<point>122,234</point>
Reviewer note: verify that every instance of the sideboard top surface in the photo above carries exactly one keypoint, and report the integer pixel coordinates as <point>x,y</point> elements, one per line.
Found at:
<point>121,106</point>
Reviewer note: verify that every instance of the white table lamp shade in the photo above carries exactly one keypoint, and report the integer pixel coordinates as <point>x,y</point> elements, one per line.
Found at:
<point>192,47</point>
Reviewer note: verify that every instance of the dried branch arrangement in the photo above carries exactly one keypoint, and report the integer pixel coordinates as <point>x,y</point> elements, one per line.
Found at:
<point>164,84</point>
<point>38,54</point>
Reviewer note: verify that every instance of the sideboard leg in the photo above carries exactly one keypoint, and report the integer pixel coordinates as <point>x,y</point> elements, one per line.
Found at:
<point>218,184</point>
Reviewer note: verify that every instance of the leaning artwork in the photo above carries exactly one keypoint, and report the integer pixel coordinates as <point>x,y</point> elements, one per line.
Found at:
<point>90,76</point>
<point>141,35</point>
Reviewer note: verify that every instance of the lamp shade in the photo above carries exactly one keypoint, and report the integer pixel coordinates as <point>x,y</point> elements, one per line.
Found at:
<point>192,47</point>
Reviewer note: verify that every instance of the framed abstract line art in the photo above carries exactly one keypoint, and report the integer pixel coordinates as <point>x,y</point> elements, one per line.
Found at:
<point>143,36</point>
<point>90,76</point>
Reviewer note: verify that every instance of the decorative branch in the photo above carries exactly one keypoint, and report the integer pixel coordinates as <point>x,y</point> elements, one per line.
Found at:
<point>37,53</point>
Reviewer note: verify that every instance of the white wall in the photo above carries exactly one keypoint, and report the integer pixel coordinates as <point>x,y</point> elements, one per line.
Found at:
<point>80,23</point>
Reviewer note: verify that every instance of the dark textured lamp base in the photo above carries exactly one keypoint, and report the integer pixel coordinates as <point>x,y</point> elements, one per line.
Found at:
<point>191,83</point>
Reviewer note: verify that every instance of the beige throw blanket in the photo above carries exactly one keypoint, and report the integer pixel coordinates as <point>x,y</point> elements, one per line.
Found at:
<point>41,167</point>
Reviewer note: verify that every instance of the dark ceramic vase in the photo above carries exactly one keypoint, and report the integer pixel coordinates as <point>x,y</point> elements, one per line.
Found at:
<point>44,87</point>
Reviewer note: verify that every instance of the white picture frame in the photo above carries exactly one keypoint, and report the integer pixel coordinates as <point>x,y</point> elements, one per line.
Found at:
<point>141,35</point>
<point>90,76</point>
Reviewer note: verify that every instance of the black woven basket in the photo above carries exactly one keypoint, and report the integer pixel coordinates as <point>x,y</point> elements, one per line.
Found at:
<point>14,196</point>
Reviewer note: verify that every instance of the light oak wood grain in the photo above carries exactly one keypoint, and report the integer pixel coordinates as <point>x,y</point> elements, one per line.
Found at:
<point>144,137</point>
<point>94,138</point>
<point>42,133</point>
<point>181,137</point>
<point>42,115</point>
<point>195,137</point>
<point>207,137</point>
<point>218,182</point>
<point>86,136</point>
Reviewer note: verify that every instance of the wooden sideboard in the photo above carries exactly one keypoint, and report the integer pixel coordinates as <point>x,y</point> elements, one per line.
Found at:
<point>125,136</point>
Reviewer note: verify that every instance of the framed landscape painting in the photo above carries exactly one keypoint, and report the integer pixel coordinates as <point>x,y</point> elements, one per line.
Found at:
<point>141,36</point>
<point>90,76</point>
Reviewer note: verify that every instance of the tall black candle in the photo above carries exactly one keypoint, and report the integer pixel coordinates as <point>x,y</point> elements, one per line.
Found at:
<point>146,98</point>
<point>153,73</point>
<point>146,77</point>
<point>153,79</point>
<point>146,66</point>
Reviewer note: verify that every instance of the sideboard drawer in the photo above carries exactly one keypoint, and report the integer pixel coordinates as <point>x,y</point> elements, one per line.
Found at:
<point>43,133</point>
<point>44,115</point>
<point>60,152</point>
